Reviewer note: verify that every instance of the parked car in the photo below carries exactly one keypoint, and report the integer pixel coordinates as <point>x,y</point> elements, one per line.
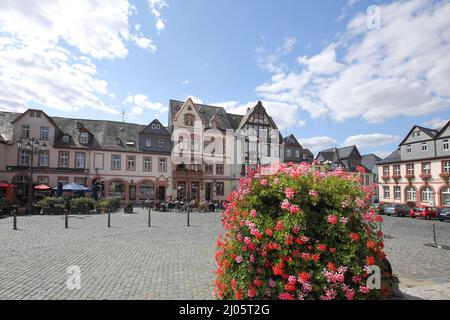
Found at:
<point>381,207</point>
<point>425,212</point>
<point>443,214</point>
<point>396,209</point>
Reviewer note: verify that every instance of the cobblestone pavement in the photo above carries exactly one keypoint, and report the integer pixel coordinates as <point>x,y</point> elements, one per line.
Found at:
<point>127,261</point>
<point>423,271</point>
<point>170,260</point>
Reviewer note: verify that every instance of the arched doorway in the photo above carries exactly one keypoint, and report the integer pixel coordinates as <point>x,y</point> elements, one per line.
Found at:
<point>445,196</point>
<point>117,188</point>
<point>23,187</point>
<point>147,190</point>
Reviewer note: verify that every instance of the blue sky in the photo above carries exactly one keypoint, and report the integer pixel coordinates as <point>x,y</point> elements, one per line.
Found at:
<point>331,72</point>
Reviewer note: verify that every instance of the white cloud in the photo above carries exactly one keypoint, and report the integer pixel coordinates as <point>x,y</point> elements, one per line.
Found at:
<point>436,123</point>
<point>270,60</point>
<point>185,82</point>
<point>371,140</point>
<point>140,102</point>
<point>301,123</point>
<point>317,143</point>
<point>47,47</point>
<point>401,69</point>
<point>155,8</point>
<point>144,43</point>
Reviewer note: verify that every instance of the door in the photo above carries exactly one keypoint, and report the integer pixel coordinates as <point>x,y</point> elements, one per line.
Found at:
<point>132,193</point>
<point>161,193</point>
<point>208,191</point>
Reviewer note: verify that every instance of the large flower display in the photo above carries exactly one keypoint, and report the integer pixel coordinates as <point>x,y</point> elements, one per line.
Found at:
<point>300,233</point>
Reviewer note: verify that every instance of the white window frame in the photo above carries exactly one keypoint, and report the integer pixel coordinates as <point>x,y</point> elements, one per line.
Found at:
<point>25,129</point>
<point>445,145</point>
<point>397,192</point>
<point>47,131</point>
<point>42,156</point>
<point>411,194</point>
<point>408,149</point>
<point>78,159</point>
<point>386,192</point>
<point>147,164</point>
<point>426,194</point>
<point>424,147</point>
<point>63,161</point>
<point>84,137</point>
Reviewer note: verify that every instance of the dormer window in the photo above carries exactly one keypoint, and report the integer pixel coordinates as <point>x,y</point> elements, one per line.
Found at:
<point>148,143</point>
<point>65,138</point>
<point>189,119</point>
<point>84,138</point>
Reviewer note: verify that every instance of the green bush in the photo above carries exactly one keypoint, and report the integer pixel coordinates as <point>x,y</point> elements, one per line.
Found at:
<point>300,234</point>
<point>50,202</point>
<point>82,202</point>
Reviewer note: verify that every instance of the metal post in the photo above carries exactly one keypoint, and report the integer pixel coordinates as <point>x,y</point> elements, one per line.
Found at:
<point>66,213</point>
<point>109,218</point>
<point>30,196</point>
<point>149,216</point>
<point>188,212</point>
<point>434,235</point>
<point>15,218</point>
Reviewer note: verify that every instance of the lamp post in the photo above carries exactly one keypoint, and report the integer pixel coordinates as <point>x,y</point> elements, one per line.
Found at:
<point>32,147</point>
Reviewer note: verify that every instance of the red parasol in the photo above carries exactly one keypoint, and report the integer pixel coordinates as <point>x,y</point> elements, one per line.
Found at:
<point>7,185</point>
<point>42,187</point>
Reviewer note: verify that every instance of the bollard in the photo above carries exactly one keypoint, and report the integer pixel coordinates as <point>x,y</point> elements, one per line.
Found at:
<point>149,217</point>
<point>109,218</point>
<point>188,212</point>
<point>15,218</point>
<point>434,235</point>
<point>66,218</point>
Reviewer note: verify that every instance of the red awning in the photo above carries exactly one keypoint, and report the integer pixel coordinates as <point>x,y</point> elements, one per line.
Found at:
<point>42,187</point>
<point>7,185</point>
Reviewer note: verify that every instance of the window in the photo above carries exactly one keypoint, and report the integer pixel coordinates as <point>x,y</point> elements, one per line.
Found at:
<point>65,138</point>
<point>44,159</point>
<point>397,193</point>
<point>446,166</point>
<point>63,159</point>
<point>445,196</point>
<point>147,164</point>
<point>386,171</point>
<point>25,132</point>
<point>426,167</point>
<point>411,194</point>
<point>366,179</point>
<point>44,133</point>
<point>304,156</point>
<point>63,180</point>
<point>80,181</point>
<point>162,165</point>
<point>80,160</point>
<point>189,119</point>
<point>116,162</point>
<point>219,169</point>
<point>397,170</point>
<point>84,137</point>
<point>161,143</point>
<point>148,143</point>
<point>288,153</point>
<point>424,146</point>
<point>297,154</point>
<point>24,158</point>
<point>408,149</point>
<point>445,145</point>
<point>426,194</point>
<point>209,169</point>
<point>410,168</point>
<point>131,163</point>
<point>386,192</point>
<point>43,180</point>
<point>220,189</point>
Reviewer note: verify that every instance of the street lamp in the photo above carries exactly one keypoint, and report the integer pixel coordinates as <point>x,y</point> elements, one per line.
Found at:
<point>32,148</point>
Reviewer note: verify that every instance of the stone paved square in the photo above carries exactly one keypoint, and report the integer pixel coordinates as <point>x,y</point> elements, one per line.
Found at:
<point>170,260</point>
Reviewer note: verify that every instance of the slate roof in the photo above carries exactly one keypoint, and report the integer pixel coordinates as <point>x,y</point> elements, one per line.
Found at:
<point>392,158</point>
<point>334,154</point>
<point>6,127</point>
<point>369,161</point>
<point>104,134</point>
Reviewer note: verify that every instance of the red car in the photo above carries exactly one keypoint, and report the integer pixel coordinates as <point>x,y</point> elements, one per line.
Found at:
<point>424,212</point>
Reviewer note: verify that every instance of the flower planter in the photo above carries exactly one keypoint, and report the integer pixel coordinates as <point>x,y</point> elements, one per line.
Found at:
<point>52,211</point>
<point>82,210</point>
<point>128,209</point>
<point>5,211</point>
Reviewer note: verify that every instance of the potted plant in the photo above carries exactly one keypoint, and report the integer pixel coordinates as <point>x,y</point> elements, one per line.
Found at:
<point>51,205</point>
<point>409,177</point>
<point>5,207</point>
<point>128,208</point>
<point>81,205</point>
<point>445,176</point>
<point>103,205</point>
<point>425,176</point>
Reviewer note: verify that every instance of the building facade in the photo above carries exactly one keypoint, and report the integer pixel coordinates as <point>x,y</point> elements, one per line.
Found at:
<point>294,152</point>
<point>213,149</point>
<point>131,161</point>
<point>418,172</point>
